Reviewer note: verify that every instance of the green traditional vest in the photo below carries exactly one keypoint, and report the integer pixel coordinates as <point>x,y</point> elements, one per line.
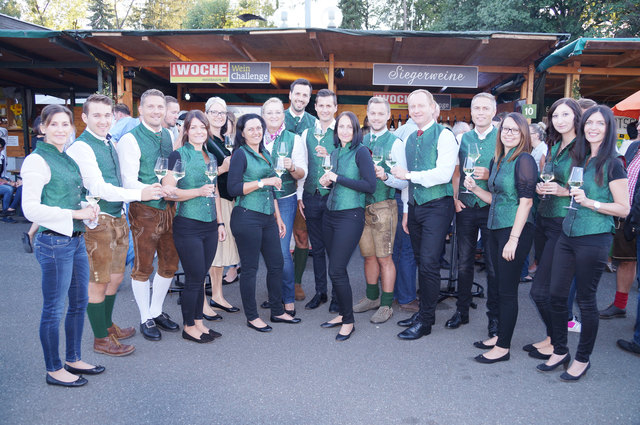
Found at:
<point>585,221</point>
<point>107,159</point>
<point>314,162</point>
<point>383,192</point>
<point>298,126</point>
<point>64,189</point>
<point>343,162</point>
<point>200,208</point>
<point>260,200</point>
<point>505,201</point>
<point>487,148</point>
<point>152,146</point>
<point>422,154</point>
<point>288,182</point>
<point>556,206</point>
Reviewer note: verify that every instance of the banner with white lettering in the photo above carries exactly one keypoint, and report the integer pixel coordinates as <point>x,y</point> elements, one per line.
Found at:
<point>221,72</point>
<point>399,100</point>
<point>386,74</point>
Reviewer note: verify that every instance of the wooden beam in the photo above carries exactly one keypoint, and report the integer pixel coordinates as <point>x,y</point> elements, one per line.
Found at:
<point>477,52</point>
<point>164,46</point>
<point>239,48</point>
<point>530,77</point>
<point>627,58</point>
<point>113,50</point>
<point>123,95</point>
<point>631,72</point>
<point>331,73</point>
<point>395,50</point>
<point>613,86</point>
<point>567,85</point>
<point>367,93</point>
<point>315,44</point>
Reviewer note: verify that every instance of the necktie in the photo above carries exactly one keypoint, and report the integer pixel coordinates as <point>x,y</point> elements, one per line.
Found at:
<point>373,138</point>
<point>297,120</point>
<point>420,133</point>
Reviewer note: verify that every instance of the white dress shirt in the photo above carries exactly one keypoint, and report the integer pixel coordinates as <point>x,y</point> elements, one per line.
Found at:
<point>129,156</point>
<point>481,136</point>
<point>299,156</point>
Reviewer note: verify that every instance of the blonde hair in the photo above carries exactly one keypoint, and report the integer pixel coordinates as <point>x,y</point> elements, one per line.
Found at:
<point>215,99</point>
<point>379,100</point>
<point>270,101</point>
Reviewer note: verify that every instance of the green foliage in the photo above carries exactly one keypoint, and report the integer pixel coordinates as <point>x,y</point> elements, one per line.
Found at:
<point>55,14</point>
<point>102,15</point>
<point>9,7</point>
<point>355,14</point>
<point>220,14</point>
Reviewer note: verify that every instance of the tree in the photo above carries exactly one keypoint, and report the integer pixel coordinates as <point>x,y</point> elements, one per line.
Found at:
<point>102,15</point>
<point>56,14</point>
<point>10,8</point>
<point>355,14</point>
<point>208,14</point>
<point>162,14</point>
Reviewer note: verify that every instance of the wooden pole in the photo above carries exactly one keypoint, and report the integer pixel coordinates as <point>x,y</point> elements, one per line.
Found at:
<point>332,76</point>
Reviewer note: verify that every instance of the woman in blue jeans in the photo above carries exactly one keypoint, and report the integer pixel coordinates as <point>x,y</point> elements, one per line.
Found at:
<point>51,197</point>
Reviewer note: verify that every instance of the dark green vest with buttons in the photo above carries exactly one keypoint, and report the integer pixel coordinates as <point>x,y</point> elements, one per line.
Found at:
<point>585,221</point>
<point>343,163</point>
<point>504,195</point>
<point>64,189</point>
<point>260,200</point>
<point>288,182</point>
<point>200,208</point>
<point>107,159</point>
<point>556,206</point>
<point>152,146</point>
<point>298,126</point>
<point>383,192</point>
<point>422,154</point>
<point>487,148</point>
<point>314,162</point>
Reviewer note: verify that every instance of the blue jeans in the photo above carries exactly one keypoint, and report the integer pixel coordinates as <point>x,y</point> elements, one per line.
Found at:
<point>65,271</point>
<point>405,287</point>
<point>287,208</point>
<point>636,335</point>
<point>6,192</point>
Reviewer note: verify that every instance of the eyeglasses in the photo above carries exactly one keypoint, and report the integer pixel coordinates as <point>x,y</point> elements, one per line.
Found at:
<point>274,113</point>
<point>514,131</point>
<point>216,113</point>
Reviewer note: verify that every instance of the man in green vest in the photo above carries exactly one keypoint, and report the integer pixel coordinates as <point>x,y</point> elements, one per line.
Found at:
<point>151,221</point>
<point>312,198</point>
<point>471,213</point>
<point>430,153</point>
<point>381,214</point>
<point>297,120</point>
<point>108,240</point>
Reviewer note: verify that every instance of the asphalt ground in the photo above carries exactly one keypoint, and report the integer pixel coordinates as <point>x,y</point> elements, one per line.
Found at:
<point>298,374</point>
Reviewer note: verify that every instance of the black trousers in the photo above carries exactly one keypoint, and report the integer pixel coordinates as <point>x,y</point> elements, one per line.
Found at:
<point>257,233</point>
<point>468,222</point>
<point>196,243</point>
<point>590,254</point>
<point>548,231</point>
<point>315,207</point>
<point>342,231</point>
<point>508,278</point>
<point>428,226</point>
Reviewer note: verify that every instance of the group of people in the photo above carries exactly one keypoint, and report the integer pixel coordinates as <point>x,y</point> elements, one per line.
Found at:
<point>219,193</point>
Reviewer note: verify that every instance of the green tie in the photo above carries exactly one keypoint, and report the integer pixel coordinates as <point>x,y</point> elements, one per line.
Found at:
<point>373,139</point>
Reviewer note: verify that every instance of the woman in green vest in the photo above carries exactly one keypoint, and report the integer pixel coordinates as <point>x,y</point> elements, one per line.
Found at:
<point>564,118</point>
<point>227,252</point>
<point>512,184</point>
<point>255,220</point>
<point>197,227</point>
<point>51,197</point>
<point>586,237</point>
<point>352,176</point>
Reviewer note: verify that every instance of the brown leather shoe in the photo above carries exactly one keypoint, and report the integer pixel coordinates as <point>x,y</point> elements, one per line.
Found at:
<point>413,306</point>
<point>299,294</point>
<point>120,333</point>
<point>112,347</point>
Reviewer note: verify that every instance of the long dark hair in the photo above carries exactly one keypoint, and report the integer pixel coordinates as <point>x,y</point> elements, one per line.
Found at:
<point>607,148</point>
<point>524,145</point>
<point>357,131</point>
<point>191,115</point>
<point>553,136</point>
<point>242,121</point>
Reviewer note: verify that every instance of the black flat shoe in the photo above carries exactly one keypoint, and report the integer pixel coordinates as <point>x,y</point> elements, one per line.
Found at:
<point>295,320</point>
<point>214,334</point>
<point>315,302</point>
<point>96,370</point>
<point>543,367</point>
<point>340,337</point>
<point>409,322</point>
<point>164,322</point>
<point>566,376</point>
<point>77,383</point>
<point>229,282</point>
<point>482,359</point>
<point>201,340</point>
<point>414,332</point>
<point>266,328</point>
<point>231,309</point>
<point>265,304</point>
<point>481,345</point>
<point>538,355</point>
<point>328,325</point>
<point>211,318</point>
<point>291,313</point>
<point>529,348</point>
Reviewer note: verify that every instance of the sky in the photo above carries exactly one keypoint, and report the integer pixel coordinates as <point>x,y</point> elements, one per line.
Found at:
<point>296,18</point>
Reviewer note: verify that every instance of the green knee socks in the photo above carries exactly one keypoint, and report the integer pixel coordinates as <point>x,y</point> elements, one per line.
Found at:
<point>386,299</point>
<point>96,313</point>
<point>373,292</point>
<point>300,256</point>
<point>109,300</point>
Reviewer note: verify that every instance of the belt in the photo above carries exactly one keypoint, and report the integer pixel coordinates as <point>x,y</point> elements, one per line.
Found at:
<point>75,234</point>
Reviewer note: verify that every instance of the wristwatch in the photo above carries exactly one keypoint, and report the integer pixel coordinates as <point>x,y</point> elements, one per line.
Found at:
<point>408,175</point>
<point>260,184</point>
<point>596,205</point>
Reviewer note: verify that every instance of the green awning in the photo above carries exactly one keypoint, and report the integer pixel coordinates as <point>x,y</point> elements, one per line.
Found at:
<point>576,48</point>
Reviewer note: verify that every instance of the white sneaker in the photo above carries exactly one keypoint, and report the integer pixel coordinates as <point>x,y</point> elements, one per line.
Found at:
<point>574,325</point>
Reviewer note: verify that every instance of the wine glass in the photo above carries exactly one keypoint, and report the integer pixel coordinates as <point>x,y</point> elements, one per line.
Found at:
<point>92,198</point>
<point>282,150</point>
<point>390,160</point>
<point>178,172</point>
<point>474,152</point>
<point>317,132</point>
<point>469,168</point>
<point>547,175</point>
<point>377,155</point>
<point>212,172</point>
<point>280,170</point>
<point>326,166</point>
<point>161,167</point>
<point>575,181</point>
<point>228,143</point>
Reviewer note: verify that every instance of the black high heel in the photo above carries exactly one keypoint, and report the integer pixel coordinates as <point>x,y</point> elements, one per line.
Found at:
<point>570,378</point>
<point>543,367</point>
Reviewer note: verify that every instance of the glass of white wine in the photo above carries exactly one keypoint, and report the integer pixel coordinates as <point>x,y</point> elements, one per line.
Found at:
<point>326,166</point>
<point>390,161</point>
<point>469,168</point>
<point>228,143</point>
<point>280,170</point>
<point>282,150</point>
<point>178,172</point>
<point>575,181</point>
<point>318,134</point>
<point>547,175</point>
<point>474,152</point>
<point>212,172</point>
<point>161,168</point>
<point>377,155</point>
<point>92,198</point>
